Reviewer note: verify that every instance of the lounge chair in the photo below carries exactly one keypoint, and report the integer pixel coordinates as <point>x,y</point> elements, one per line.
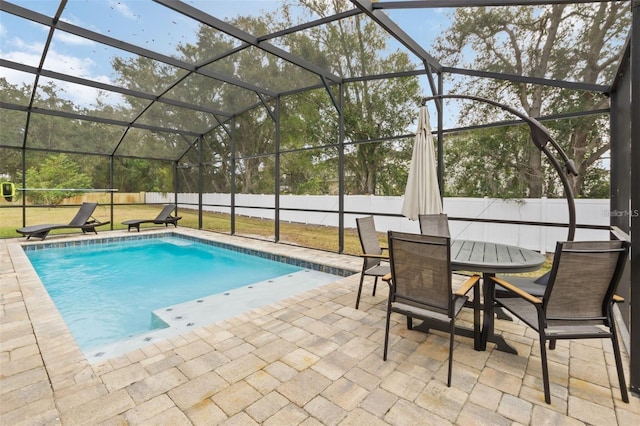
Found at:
<point>163,218</point>
<point>81,220</point>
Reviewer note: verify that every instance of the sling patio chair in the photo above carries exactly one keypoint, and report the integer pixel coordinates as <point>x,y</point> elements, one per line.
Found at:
<point>82,220</point>
<point>164,217</point>
<point>375,262</point>
<point>421,285</point>
<point>578,299</point>
<point>434,224</point>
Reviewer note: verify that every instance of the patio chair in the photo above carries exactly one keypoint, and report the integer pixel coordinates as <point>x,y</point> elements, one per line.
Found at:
<point>81,220</point>
<point>434,224</point>
<point>421,284</point>
<point>164,217</point>
<point>578,299</point>
<point>375,263</point>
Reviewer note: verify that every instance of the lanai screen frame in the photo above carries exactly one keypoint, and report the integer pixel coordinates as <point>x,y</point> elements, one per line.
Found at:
<point>623,175</point>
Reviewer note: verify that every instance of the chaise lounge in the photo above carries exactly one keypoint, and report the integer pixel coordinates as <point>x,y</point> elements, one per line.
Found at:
<point>82,220</point>
<point>164,217</point>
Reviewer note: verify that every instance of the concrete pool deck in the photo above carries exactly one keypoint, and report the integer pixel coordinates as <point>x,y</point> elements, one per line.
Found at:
<point>307,359</point>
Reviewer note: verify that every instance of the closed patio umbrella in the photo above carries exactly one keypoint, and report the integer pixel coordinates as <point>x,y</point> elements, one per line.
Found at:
<point>422,195</point>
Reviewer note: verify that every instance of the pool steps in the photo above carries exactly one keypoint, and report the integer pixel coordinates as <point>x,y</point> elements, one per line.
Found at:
<point>182,317</point>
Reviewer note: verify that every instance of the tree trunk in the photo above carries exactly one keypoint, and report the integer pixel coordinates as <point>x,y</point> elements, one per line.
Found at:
<point>536,176</point>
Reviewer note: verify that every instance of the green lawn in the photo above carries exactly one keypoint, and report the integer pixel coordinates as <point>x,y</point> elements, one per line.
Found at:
<point>321,237</point>
<point>314,236</point>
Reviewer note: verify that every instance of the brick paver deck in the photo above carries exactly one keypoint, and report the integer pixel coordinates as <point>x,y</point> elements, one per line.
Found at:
<point>310,359</point>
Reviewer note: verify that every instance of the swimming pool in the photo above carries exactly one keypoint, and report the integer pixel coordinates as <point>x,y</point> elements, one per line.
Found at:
<point>109,292</point>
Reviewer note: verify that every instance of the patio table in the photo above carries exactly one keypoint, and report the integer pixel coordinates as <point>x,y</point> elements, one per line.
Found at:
<point>489,259</point>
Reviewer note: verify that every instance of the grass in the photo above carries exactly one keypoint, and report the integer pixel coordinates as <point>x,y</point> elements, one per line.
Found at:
<point>313,236</point>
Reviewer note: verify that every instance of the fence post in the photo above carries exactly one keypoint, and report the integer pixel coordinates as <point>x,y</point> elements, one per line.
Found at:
<point>485,215</point>
<point>543,229</point>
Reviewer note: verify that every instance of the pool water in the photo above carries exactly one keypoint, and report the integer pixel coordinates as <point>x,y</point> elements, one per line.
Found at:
<point>106,292</point>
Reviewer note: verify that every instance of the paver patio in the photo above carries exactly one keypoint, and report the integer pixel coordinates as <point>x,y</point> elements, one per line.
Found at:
<point>309,359</point>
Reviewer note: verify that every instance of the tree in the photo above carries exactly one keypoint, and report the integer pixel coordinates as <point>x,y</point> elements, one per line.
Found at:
<point>376,110</point>
<point>12,124</point>
<point>57,171</point>
<point>575,42</point>
<point>494,169</point>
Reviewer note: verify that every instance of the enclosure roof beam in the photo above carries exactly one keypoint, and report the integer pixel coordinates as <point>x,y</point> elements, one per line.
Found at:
<point>104,120</point>
<point>237,33</point>
<point>159,57</point>
<point>506,123</point>
<point>95,154</point>
<point>425,4</point>
<point>118,44</point>
<point>310,24</point>
<point>392,28</point>
<point>530,80</point>
<point>625,62</point>
<point>109,87</point>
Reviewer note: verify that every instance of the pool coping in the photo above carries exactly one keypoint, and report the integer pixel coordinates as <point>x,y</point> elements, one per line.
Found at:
<point>282,258</point>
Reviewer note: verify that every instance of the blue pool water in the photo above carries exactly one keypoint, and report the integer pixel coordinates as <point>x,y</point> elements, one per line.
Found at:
<point>106,292</point>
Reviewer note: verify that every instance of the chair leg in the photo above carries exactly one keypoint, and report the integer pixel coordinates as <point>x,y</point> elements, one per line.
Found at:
<point>545,367</point>
<point>359,290</point>
<point>451,340</point>
<point>476,317</point>
<point>375,284</point>
<point>386,332</point>
<point>616,353</point>
<point>409,323</point>
<point>552,344</point>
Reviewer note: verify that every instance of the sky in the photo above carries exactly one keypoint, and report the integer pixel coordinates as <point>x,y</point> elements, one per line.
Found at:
<point>136,22</point>
<point>143,23</point>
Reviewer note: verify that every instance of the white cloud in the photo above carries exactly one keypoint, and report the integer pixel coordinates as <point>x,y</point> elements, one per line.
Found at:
<point>66,64</point>
<point>72,39</point>
<point>123,9</point>
<point>25,53</point>
<point>84,67</point>
<point>84,96</point>
<point>17,78</point>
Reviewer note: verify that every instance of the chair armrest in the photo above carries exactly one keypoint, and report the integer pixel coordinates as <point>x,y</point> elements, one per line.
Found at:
<point>375,256</point>
<point>617,299</point>
<point>517,291</point>
<point>387,277</point>
<point>468,285</point>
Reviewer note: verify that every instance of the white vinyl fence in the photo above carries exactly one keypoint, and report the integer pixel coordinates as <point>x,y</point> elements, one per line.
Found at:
<point>543,239</point>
